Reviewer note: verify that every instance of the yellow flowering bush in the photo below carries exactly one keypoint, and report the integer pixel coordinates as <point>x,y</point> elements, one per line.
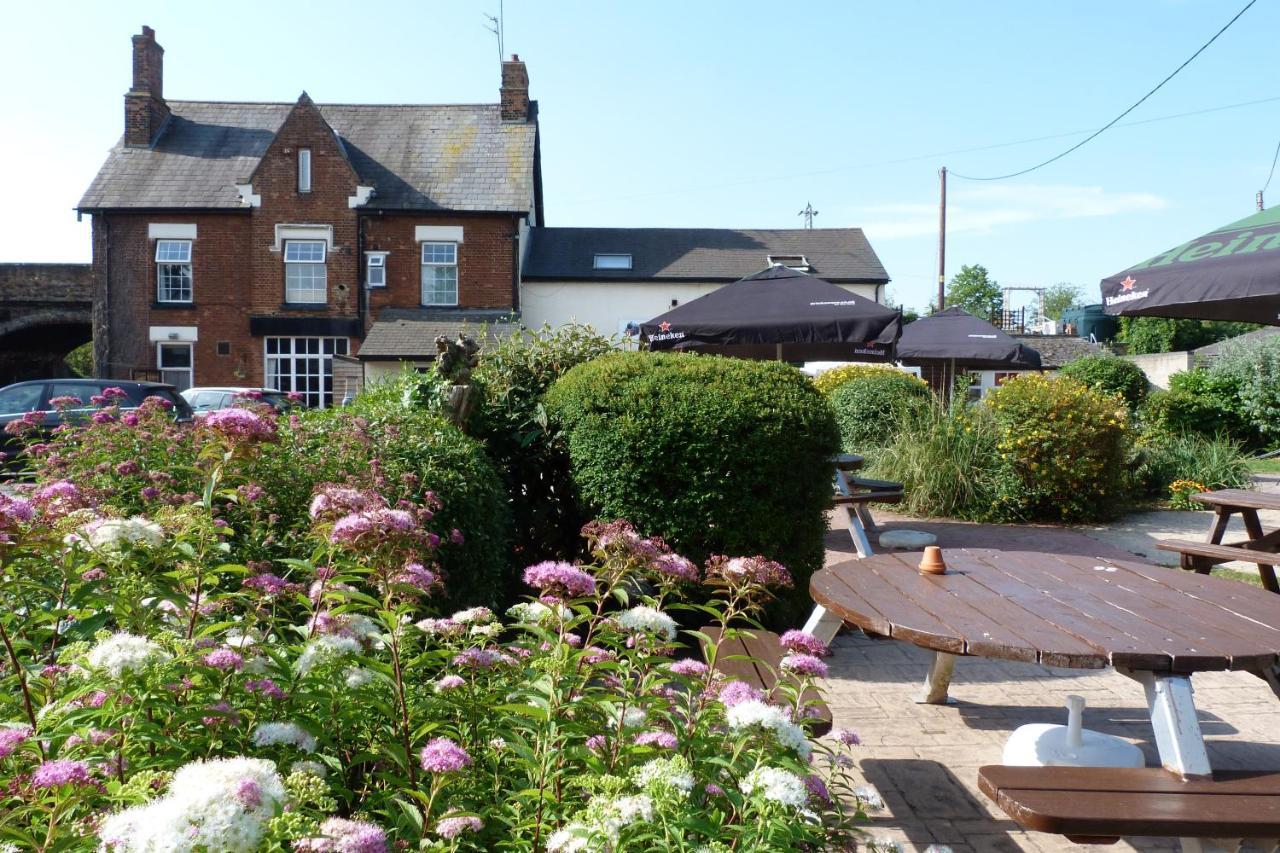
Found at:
<point>829,380</point>
<point>1062,447</point>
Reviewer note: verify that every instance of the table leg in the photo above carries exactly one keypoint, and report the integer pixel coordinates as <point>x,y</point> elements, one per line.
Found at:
<point>1178,736</point>
<point>938,680</point>
<point>1221,518</point>
<point>856,532</point>
<point>864,515</point>
<point>1253,527</point>
<point>823,624</point>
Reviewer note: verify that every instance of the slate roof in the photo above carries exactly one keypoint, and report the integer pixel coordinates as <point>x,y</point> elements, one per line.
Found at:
<point>840,255</point>
<point>1212,351</point>
<point>423,157</point>
<point>403,333</point>
<point>1057,350</point>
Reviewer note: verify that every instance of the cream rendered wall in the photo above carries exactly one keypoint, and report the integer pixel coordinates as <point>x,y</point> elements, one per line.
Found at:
<point>609,306</point>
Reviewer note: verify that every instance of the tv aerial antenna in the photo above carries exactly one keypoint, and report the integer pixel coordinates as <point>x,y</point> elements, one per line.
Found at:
<point>495,26</point>
<point>808,213</point>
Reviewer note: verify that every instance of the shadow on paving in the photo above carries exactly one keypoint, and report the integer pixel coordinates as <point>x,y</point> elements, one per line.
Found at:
<point>928,805</point>
<point>1132,721</point>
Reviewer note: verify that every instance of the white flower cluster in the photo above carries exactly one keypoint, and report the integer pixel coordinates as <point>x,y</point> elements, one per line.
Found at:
<point>604,818</point>
<point>648,620</point>
<point>535,612</point>
<point>110,534</point>
<point>776,785</point>
<point>357,677</point>
<point>269,734</point>
<point>632,718</point>
<point>753,712</point>
<point>477,615</point>
<point>123,652</point>
<point>222,804</point>
<point>325,648</point>
<point>663,777</point>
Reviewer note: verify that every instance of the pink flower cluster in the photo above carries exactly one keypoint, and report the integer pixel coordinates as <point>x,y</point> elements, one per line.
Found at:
<point>736,692</point>
<point>452,827</point>
<point>758,571</point>
<point>265,686</point>
<point>690,667</point>
<point>558,579</point>
<point>224,659</point>
<point>339,835</point>
<point>661,739</point>
<point>10,739</point>
<point>269,584</point>
<point>66,401</point>
<point>802,642</point>
<point>444,756</point>
<point>13,512</point>
<point>240,425</point>
<point>372,525</point>
<point>417,576</point>
<point>59,772</point>
<point>332,502</point>
<point>801,664</point>
<point>58,498</point>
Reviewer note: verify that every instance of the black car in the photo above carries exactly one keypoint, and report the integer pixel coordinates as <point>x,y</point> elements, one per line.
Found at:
<point>33,396</point>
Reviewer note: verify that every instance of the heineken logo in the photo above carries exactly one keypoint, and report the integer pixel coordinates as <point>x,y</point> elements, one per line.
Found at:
<point>1130,296</point>
<point>667,336</point>
<point>664,326</point>
<point>1128,283</point>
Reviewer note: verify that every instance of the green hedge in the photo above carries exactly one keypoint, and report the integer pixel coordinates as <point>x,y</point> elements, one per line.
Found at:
<point>1111,374</point>
<point>1200,402</point>
<point>872,403</point>
<point>716,455</point>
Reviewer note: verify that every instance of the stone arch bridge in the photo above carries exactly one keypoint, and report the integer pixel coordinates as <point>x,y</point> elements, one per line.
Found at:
<point>45,312</point>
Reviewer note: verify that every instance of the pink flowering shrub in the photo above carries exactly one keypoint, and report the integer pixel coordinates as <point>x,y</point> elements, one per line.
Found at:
<point>156,693</point>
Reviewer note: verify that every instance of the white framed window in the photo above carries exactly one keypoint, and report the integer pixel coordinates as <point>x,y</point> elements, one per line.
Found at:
<point>304,170</point>
<point>439,273</point>
<point>305,273</point>
<point>375,269</point>
<point>173,271</point>
<point>175,363</point>
<point>304,366</point>
<point>613,262</point>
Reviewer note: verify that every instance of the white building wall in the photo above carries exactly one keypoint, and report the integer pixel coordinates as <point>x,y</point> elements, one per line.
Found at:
<point>609,306</point>
<point>1159,366</point>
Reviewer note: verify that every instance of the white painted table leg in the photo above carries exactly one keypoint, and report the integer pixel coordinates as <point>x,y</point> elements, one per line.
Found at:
<point>938,680</point>
<point>856,533</point>
<point>864,515</point>
<point>823,624</point>
<point>1178,736</point>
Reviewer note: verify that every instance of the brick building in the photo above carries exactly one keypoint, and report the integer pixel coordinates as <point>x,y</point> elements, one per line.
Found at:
<point>251,243</point>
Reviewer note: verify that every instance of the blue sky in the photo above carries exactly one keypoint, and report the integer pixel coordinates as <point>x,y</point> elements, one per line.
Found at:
<point>726,114</point>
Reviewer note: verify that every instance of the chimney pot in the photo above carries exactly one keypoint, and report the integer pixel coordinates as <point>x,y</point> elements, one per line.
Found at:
<point>514,93</point>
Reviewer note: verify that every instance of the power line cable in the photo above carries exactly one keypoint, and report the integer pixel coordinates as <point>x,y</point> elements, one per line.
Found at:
<point>922,157</point>
<point>1111,123</point>
<point>1272,173</point>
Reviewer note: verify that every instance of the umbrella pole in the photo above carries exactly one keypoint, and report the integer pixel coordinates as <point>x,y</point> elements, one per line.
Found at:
<point>779,352</point>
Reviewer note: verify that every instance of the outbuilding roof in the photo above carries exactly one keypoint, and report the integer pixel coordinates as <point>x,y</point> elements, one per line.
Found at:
<point>1057,350</point>
<point>410,333</point>
<point>417,157</point>
<point>840,255</point>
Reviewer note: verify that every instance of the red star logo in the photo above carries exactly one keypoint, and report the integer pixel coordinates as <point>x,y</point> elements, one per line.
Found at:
<point>872,344</point>
<point>1128,283</point>
<point>664,326</point>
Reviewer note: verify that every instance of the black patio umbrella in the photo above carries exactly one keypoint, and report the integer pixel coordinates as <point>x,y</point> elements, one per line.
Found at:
<point>1232,273</point>
<point>957,336</point>
<point>779,313</point>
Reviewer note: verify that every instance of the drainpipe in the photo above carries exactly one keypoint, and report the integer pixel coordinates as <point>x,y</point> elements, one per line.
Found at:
<point>103,370</point>
<point>515,266</point>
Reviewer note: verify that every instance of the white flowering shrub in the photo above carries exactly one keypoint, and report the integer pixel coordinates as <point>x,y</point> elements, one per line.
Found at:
<point>157,695</point>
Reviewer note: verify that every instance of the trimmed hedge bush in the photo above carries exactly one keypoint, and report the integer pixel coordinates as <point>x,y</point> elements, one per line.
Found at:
<point>512,422</point>
<point>716,455</point>
<point>1063,447</point>
<point>1111,374</point>
<point>1200,402</point>
<point>872,403</point>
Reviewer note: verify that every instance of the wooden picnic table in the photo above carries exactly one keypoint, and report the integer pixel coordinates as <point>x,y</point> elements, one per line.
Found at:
<point>1260,548</point>
<point>1152,624</point>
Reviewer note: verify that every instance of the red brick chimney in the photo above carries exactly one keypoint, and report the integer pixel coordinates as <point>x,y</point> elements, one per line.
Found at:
<point>515,90</point>
<point>144,107</point>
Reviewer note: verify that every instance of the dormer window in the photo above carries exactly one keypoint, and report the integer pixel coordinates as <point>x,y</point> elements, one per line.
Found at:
<point>304,170</point>
<point>613,262</point>
<point>799,263</point>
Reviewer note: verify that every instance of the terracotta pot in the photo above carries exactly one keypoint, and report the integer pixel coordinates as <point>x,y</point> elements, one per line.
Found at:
<point>932,563</point>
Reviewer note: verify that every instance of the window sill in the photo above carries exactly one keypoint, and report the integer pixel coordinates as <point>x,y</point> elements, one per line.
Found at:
<point>173,306</point>
<point>304,306</point>
<point>439,304</point>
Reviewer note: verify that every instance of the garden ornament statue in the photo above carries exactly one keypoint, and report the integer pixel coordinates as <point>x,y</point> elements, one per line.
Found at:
<point>454,362</point>
<point>1042,745</point>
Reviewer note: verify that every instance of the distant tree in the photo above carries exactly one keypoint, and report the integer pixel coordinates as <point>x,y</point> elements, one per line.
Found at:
<point>80,360</point>
<point>1060,298</point>
<point>1164,334</point>
<point>975,291</point>
<point>909,315</point>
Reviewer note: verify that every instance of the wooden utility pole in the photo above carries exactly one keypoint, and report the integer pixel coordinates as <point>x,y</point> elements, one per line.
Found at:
<point>942,239</point>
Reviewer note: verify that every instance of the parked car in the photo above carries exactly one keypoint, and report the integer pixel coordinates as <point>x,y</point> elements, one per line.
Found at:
<point>206,399</point>
<point>19,399</point>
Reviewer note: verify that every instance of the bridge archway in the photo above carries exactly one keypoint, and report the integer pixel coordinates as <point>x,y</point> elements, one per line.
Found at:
<point>34,344</point>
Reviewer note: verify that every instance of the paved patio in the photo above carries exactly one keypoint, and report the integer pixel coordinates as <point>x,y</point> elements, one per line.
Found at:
<point>923,759</point>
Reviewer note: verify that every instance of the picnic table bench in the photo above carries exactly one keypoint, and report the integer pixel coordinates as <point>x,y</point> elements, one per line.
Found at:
<point>1097,805</point>
<point>1260,548</point>
<point>852,494</point>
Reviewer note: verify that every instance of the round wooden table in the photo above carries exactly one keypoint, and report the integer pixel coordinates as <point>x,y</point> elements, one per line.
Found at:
<point>1153,624</point>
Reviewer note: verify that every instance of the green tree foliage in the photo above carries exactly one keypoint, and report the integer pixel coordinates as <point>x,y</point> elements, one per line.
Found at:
<point>975,291</point>
<point>716,455</point>
<point>1060,298</point>
<point>1200,402</point>
<point>1255,365</point>
<point>80,360</point>
<point>1164,334</point>
<point>871,403</point>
